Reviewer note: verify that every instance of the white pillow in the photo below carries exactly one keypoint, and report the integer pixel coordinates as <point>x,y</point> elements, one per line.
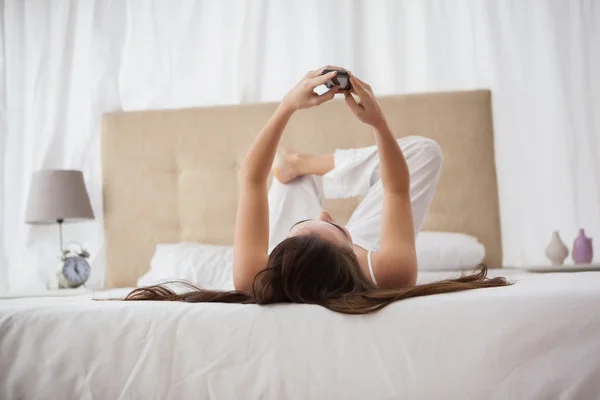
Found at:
<point>205,265</point>
<point>439,251</point>
<point>211,266</point>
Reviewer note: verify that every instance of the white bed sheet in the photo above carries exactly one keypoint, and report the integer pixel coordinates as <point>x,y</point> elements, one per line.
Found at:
<point>539,339</point>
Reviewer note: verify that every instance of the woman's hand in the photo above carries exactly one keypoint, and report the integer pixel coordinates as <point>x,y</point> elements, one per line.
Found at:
<point>367,109</point>
<point>303,94</point>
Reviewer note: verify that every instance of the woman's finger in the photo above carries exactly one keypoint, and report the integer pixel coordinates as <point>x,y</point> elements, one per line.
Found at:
<point>336,67</point>
<point>328,95</point>
<point>321,79</point>
<point>352,103</point>
<point>316,72</point>
<point>360,90</point>
<point>365,85</point>
<point>319,71</point>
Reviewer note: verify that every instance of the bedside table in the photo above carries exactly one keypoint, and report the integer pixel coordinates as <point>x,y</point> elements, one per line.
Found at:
<point>548,268</point>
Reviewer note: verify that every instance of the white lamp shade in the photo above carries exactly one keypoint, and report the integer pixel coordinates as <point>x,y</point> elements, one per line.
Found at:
<point>58,195</point>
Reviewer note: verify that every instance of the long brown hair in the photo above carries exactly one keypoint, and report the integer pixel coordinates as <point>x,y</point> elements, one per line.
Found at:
<point>307,269</point>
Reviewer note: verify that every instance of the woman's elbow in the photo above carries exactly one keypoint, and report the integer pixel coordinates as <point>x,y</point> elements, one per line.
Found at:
<point>411,276</point>
<point>242,284</point>
<point>409,272</point>
<point>402,274</point>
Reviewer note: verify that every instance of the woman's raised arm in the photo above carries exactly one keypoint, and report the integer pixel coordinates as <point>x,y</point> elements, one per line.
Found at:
<point>251,238</point>
<point>395,265</point>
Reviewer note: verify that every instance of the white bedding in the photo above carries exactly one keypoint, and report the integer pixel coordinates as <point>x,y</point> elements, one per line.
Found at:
<point>539,339</point>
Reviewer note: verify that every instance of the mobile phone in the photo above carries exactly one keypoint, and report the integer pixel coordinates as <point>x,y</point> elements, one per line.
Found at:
<point>341,79</point>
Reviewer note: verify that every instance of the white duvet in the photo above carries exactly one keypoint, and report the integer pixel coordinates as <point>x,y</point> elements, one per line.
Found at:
<point>539,339</point>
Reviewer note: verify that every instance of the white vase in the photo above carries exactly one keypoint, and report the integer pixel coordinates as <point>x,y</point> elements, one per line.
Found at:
<point>556,251</point>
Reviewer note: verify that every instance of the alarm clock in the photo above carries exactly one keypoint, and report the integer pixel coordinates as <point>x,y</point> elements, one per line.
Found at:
<point>73,269</point>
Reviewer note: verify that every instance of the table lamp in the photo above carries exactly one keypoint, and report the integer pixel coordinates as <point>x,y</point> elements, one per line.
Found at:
<point>56,197</point>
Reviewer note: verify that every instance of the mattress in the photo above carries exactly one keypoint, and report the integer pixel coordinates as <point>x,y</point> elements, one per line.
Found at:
<point>538,339</point>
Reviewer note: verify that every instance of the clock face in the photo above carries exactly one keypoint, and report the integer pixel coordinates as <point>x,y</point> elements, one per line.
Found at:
<point>76,270</point>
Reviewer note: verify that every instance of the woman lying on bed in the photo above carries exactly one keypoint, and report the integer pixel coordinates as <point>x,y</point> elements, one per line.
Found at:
<point>288,250</point>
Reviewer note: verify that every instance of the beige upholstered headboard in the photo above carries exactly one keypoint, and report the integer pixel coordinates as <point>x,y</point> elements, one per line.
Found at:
<point>170,175</point>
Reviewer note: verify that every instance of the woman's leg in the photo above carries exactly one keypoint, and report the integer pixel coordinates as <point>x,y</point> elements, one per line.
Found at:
<point>291,165</point>
<point>356,173</point>
<point>353,173</point>
<point>292,202</point>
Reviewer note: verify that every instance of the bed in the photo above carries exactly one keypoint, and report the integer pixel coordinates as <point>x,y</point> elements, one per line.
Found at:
<point>169,176</point>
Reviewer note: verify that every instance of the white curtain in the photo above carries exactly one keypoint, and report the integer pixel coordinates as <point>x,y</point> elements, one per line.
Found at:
<point>64,63</point>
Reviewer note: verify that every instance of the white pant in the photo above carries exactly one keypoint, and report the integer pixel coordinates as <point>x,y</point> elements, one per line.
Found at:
<point>356,173</point>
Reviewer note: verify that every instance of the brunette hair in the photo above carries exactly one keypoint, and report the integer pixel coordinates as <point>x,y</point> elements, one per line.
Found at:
<point>307,269</point>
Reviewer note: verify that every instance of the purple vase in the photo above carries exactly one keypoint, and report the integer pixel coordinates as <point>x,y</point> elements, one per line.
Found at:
<point>583,252</point>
